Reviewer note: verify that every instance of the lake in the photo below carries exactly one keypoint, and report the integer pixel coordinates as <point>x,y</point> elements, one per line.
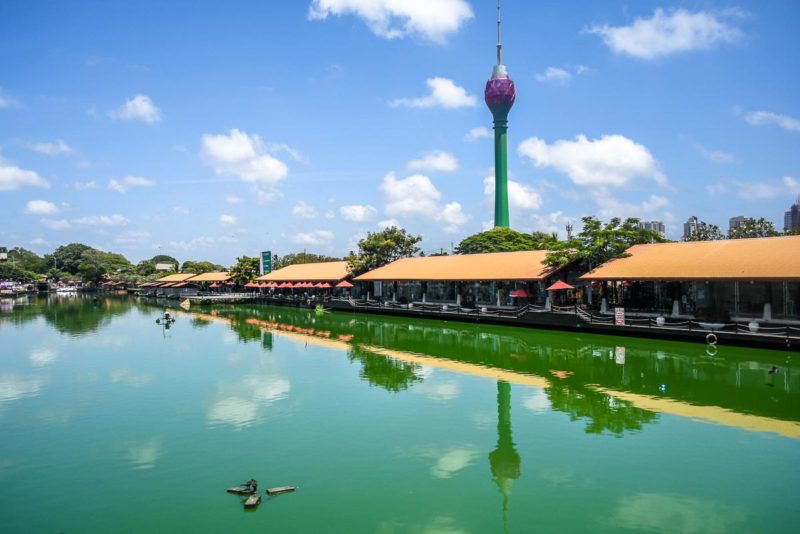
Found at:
<point>113,423</point>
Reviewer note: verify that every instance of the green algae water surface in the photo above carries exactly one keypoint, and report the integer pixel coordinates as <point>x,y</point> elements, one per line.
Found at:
<point>112,423</point>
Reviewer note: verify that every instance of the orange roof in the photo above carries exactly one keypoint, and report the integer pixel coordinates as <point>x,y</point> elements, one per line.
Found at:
<point>210,277</point>
<point>768,258</point>
<point>176,277</point>
<point>329,271</point>
<point>524,265</point>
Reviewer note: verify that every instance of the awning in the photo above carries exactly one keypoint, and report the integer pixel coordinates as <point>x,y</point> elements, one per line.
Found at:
<point>344,283</point>
<point>559,286</point>
<point>251,285</point>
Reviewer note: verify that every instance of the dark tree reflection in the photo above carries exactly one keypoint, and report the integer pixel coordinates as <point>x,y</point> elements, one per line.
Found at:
<point>387,373</point>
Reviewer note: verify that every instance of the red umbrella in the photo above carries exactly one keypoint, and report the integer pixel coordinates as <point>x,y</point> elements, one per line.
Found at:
<point>251,285</point>
<point>344,283</point>
<point>214,285</point>
<point>521,293</point>
<point>230,283</point>
<point>560,285</point>
<point>325,285</point>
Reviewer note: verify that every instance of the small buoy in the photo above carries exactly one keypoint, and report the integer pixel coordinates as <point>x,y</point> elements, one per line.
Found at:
<point>711,339</point>
<point>158,321</point>
<point>774,370</point>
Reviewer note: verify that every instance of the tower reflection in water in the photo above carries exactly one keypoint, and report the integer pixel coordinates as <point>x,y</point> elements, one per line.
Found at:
<point>504,460</point>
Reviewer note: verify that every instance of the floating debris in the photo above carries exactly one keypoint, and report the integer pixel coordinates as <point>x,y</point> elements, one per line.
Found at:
<point>280,489</point>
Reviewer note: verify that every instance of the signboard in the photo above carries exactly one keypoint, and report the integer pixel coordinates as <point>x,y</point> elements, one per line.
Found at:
<point>619,355</point>
<point>266,262</point>
<point>619,316</point>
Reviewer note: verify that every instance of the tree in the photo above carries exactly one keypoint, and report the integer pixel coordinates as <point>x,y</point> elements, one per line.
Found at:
<point>163,258</point>
<point>597,242</point>
<point>705,232</point>
<point>753,228</point>
<point>504,240</point>
<point>200,267</point>
<point>380,248</point>
<point>793,231</point>
<point>26,260</point>
<point>279,262</point>
<point>67,258</point>
<point>246,269</point>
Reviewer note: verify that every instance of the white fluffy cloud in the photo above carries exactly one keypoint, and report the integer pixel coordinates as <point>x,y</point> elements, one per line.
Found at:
<point>227,219</point>
<point>610,206</point>
<point>41,207</point>
<point>444,94</point>
<point>715,156</point>
<point>302,210</point>
<point>551,222</point>
<point>56,148</point>
<point>358,213</point>
<point>244,156</point>
<point>787,186</point>
<point>131,239</point>
<point>138,108</point>
<point>416,196</point>
<point>554,75</point>
<point>230,198</point>
<point>90,220</point>
<point>438,160</point>
<point>392,19</point>
<point>315,237</point>
<point>12,177</point>
<point>520,196</point>
<point>8,102</point>
<point>760,118</point>
<point>123,184</point>
<point>668,33</point>
<point>479,132</point>
<point>611,161</point>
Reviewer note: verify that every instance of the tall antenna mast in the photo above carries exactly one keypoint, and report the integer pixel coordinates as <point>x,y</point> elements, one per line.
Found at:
<point>499,42</point>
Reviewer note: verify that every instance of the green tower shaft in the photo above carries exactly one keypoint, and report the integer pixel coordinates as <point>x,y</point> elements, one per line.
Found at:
<point>501,173</point>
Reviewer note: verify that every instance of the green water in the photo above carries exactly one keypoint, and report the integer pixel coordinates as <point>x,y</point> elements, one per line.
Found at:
<point>110,423</point>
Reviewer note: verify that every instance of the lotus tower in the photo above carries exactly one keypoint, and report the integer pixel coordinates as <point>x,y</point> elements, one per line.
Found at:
<point>500,94</point>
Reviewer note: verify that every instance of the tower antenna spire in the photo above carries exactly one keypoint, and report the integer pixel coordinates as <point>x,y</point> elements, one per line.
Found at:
<point>499,42</point>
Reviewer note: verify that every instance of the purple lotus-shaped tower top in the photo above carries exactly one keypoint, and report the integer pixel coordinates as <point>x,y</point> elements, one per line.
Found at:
<point>500,93</point>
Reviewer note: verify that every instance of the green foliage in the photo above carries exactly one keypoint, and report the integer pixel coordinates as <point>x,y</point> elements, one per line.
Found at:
<point>753,228</point>
<point>505,240</point>
<point>598,242</point>
<point>793,231</point>
<point>380,248</point>
<point>67,258</point>
<point>10,271</point>
<point>200,267</point>
<point>145,268</point>
<point>279,262</point>
<point>246,269</point>
<point>706,232</point>
<point>26,260</point>
<point>163,258</point>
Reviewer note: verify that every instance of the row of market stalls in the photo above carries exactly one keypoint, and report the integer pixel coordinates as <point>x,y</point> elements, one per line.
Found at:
<point>714,280</point>
<point>187,284</point>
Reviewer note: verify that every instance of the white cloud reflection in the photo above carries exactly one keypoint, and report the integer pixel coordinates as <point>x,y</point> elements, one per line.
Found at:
<point>13,387</point>
<point>659,512</point>
<point>143,455</point>
<point>131,378</point>
<point>537,402</point>
<point>41,356</point>
<point>452,461</point>
<point>252,395</point>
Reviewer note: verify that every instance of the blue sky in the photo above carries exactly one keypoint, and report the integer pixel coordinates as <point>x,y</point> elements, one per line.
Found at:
<point>211,130</point>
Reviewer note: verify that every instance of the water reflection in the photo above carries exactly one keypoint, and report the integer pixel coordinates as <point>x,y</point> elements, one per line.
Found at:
<point>41,356</point>
<point>659,512</point>
<point>241,404</point>
<point>609,385</point>
<point>144,454</point>
<point>76,316</point>
<point>504,460</point>
<point>13,387</point>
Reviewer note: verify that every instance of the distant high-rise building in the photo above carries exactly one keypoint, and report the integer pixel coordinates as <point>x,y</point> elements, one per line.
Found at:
<point>791,219</point>
<point>736,222</point>
<point>691,226</point>
<point>656,226</point>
